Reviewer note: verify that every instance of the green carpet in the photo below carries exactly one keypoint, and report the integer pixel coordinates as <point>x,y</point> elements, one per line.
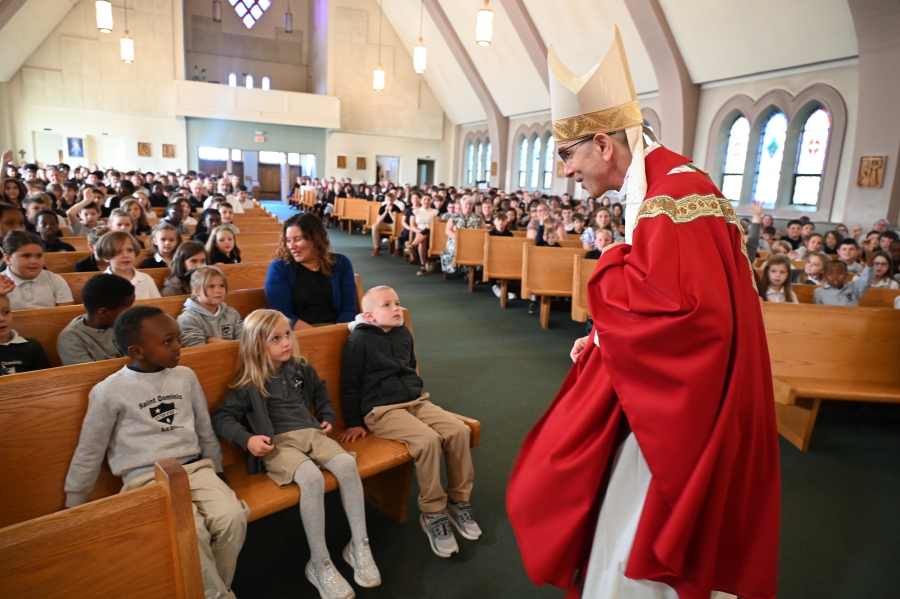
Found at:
<point>840,520</point>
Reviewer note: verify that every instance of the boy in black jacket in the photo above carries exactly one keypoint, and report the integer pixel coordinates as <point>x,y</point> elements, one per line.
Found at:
<point>381,390</point>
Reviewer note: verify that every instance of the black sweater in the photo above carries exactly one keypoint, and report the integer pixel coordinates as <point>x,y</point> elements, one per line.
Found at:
<point>377,369</point>
<point>22,357</point>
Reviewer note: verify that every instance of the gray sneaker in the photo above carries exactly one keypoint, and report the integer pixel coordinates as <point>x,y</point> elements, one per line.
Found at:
<point>329,582</point>
<point>365,572</point>
<point>460,515</point>
<point>443,543</point>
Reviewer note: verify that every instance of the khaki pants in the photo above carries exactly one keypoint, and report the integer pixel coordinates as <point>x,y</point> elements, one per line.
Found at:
<point>428,431</point>
<point>379,231</point>
<point>220,520</point>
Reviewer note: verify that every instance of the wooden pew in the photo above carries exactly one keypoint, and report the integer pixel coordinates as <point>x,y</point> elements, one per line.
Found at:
<point>356,211</point>
<point>437,241</point>
<point>44,411</point>
<point>469,251</point>
<point>503,261</point>
<point>248,236</point>
<point>548,272</point>
<point>45,324</point>
<point>804,293</point>
<point>571,243</point>
<point>138,545</point>
<point>829,352</point>
<point>582,271</point>
<point>879,298</point>
<point>520,233</point>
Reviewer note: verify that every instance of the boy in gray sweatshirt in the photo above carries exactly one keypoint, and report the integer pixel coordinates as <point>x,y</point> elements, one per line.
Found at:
<point>205,316</point>
<point>836,292</point>
<point>89,337</point>
<point>150,410</point>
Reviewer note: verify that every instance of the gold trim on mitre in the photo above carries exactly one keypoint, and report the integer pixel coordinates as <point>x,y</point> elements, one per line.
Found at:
<point>600,101</point>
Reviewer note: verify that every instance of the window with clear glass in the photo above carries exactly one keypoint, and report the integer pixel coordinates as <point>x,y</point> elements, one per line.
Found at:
<point>266,84</point>
<point>523,162</point>
<point>769,158</point>
<point>293,158</point>
<point>271,157</point>
<point>237,156</point>
<point>548,163</point>
<point>735,159</point>
<point>232,80</point>
<point>487,162</point>
<point>479,168</point>
<point>308,165</point>
<point>811,154</point>
<point>208,153</point>
<point>536,162</point>
<point>250,11</point>
<point>470,164</point>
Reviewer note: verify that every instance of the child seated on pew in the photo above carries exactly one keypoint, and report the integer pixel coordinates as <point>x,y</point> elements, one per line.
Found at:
<point>780,248</point>
<point>11,219</point>
<point>17,354</point>
<point>164,241</point>
<point>150,410</point>
<point>776,281</point>
<point>602,238</point>
<point>189,256</point>
<point>883,278</point>
<point>120,249</point>
<point>549,239</point>
<point>500,225</point>
<point>381,392</point>
<point>47,225</point>
<point>119,220</point>
<point>848,252</point>
<point>89,337</point>
<point>209,219</point>
<point>35,287</point>
<point>222,246</point>
<point>206,318</point>
<point>92,263</point>
<point>175,217</point>
<point>836,291</point>
<point>84,216</point>
<point>275,392</point>
<point>226,211</point>
<point>813,270</point>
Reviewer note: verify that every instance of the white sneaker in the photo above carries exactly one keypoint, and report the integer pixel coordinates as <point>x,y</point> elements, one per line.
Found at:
<point>365,572</point>
<point>461,517</point>
<point>496,290</point>
<point>510,296</point>
<point>329,582</point>
<point>443,543</point>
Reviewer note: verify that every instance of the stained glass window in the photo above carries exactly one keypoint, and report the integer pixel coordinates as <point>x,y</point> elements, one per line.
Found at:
<point>768,165</point>
<point>470,164</point>
<point>735,159</point>
<point>487,162</point>
<point>548,163</point>
<point>523,162</point>
<point>250,11</point>
<point>811,155</point>
<point>536,163</point>
<point>479,168</point>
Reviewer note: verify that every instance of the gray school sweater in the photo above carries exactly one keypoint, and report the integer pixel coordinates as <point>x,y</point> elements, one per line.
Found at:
<point>197,324</point>
<point>849,294</point>
<point>79,343</point>
<point>136,419</point>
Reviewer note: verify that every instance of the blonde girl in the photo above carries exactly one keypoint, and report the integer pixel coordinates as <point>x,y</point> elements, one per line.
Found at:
<point>164,239</point>
<point>205,317</point>
<point>776,281</point>
<point>781,248</point>
<point>141,223</point>
<point>119,220</point>
<point>813,269</point>
<point>222,246</point>
<point>275,391</point>
<point>121,250</point>
<point>35,287</point>
<point>189,256</point>
<point>144,202</point>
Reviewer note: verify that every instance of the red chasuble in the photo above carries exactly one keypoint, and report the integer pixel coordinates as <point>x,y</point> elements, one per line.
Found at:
<point>683,363</point>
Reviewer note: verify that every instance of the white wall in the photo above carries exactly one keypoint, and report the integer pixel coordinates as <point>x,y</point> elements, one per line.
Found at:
<point>354,145</point>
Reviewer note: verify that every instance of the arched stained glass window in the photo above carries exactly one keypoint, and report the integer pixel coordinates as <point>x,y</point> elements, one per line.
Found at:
<point>768,165</point>
<point>548,163</point>
<point>523,162</point>
<point>487,162</point>
<point>470,164</point>
<point>811,153</point>
<point>735,159</point>
<point>480,161</point>
<point>536,163</point>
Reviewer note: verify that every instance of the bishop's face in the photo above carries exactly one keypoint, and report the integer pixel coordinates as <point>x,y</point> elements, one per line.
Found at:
<point>596,163</point>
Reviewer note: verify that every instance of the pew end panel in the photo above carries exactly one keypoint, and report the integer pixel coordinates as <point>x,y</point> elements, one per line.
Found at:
<point>503,261</point>
<point>548,272</point>
<point>583,269</point>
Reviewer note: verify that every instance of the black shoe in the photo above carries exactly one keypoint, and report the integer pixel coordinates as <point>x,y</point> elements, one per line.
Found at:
<point>533,308</point>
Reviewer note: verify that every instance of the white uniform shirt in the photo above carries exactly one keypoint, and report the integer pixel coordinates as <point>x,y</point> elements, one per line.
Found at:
<point>144,285</point>
<point>46,290</point>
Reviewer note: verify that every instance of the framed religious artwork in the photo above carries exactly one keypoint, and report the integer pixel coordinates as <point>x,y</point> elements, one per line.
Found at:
<point>144,148</point>
<point>75,146</point>
<point>342,162</point>
<point>360,163</point>
<point>493,169</point>
<point>168,150</point>
<point>871,171</point>
<point>560,170</point>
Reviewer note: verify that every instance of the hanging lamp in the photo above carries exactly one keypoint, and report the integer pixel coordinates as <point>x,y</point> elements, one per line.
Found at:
<point>104,16</point>
<point>217,11</point>
<point>420,52</point>
<point>126,44</point>
<point>288,20</point>
<point>484,25</point>
<point>378,76</point>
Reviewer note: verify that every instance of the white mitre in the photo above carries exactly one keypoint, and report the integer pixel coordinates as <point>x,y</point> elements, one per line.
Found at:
<point>601,101</point>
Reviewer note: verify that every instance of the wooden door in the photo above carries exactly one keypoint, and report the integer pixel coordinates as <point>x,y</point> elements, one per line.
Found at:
<point>269,182</point>
<point>212,167</point>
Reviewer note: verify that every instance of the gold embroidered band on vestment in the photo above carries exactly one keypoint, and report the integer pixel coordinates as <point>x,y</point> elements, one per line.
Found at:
<point>603,121</point>
<point>689,209</point>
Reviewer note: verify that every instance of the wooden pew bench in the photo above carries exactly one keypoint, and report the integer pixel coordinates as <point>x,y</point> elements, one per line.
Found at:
<point>137,545</point>
<point>247,236</point>
<point>548,272</point>
<point>581,274</point>
<point>503,260</point>
<point>64,262</point>
<point>437,241</point>
<point>469,251</point>
<point>355,211</point>
<point>44,413</point>
<point>829,352</point>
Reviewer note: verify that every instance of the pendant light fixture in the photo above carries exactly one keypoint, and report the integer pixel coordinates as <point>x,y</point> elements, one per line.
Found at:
<point>126,43</point>
<point>288,20</point>
<point>217,11</point>
<point>378,76</point>
<point>420,52</point>
<point>104,16</point>
<point>484,25</point>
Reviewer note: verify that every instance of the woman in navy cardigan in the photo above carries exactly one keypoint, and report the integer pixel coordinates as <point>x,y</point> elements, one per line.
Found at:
<point>306,282</point>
